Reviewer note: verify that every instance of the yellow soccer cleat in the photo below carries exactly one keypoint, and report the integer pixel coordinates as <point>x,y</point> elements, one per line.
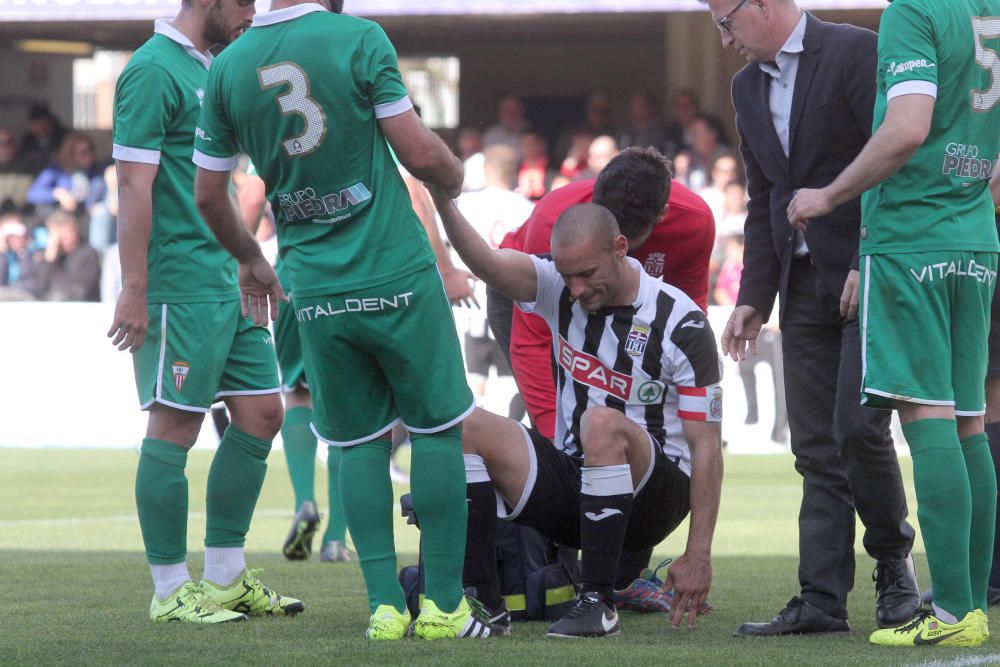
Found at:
<point>466,622</point>
<point>250,596</point>
<point>189,604</point>
<point>925,629</point>
<point>387,624</point>
<point>984,623</point>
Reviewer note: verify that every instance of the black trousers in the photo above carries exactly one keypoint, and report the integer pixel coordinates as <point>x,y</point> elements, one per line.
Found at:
<point>843,451</point>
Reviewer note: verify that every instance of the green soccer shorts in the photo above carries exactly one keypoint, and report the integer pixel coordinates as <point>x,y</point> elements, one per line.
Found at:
<point>381,355</point>
<point>198,353</point>
<point>925,320</point>
<point>288,345</point>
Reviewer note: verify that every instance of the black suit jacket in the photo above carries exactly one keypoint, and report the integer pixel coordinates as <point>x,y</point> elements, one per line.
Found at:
<point>831,120</point>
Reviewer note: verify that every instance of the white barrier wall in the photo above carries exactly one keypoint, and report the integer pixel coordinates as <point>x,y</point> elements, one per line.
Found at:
<point>62,384</point>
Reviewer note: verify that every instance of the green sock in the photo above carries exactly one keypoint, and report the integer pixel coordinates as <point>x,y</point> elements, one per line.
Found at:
<point>336,525</point>
<point>437,482</point>
<point>983,483</point>
<point>944,509</point>
<point>300,453</point>
<point>234,482</point>
<point>366,496</point>
<point>161,497</point>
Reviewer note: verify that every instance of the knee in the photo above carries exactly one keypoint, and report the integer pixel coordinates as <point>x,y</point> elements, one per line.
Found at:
<point>473,431</point>
<point>260,417</point>
<point>600,430</point>
<point>174,426</point>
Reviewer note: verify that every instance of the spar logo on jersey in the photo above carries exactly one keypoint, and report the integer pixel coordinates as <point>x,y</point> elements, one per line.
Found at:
<point>181,370</point>
<point>654,264</point>
<point>590,371</point>
<point>895,69</point>
<point>635,342</point>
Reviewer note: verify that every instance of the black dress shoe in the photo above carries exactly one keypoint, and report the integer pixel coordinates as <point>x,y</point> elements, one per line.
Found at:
<point>797,618</point>
<point>897,596</point>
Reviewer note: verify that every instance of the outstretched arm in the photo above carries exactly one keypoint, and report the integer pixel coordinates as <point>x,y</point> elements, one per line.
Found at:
<point>510,272</point>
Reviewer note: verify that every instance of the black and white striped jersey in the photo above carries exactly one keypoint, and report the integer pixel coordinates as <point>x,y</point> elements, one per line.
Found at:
<point>656,361</point>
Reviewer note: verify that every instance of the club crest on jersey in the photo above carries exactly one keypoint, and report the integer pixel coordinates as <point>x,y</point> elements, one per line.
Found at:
<point>181,369</point>
<point>654,264</point>
<point>635,342</point>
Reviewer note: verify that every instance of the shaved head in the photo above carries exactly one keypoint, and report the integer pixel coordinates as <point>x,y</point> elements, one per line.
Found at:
<point>586,222</point>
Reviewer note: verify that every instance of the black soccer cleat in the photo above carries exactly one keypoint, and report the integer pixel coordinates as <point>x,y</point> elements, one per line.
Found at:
<point>298,544</point>
<point>590,616</point>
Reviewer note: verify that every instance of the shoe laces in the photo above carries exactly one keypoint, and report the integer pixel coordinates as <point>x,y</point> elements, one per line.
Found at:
<point>253,578</point>
<point>655,579</point>
<point>914,622</point>
<point>583,605</point>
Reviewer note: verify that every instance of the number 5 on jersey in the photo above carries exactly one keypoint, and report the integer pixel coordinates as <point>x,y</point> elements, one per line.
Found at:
<point>296,101</point>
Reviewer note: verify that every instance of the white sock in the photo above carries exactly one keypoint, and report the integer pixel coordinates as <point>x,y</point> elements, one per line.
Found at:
<point>945,616</point>
<point>168,578</point>
<point>224,565</point>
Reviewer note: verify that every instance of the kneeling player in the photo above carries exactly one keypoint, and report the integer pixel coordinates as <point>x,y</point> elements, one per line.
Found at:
<point>638,414</point>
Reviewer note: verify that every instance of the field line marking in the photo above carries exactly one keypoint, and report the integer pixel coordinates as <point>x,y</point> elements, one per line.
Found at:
<point>965,661</point>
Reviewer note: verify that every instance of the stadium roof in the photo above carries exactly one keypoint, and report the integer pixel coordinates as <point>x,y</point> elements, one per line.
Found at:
<point>126,10</point>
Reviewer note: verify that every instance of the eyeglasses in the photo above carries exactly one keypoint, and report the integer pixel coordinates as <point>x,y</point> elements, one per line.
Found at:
<point>725,24</point>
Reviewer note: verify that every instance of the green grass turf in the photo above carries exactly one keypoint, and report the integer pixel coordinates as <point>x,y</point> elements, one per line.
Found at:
<point>76,588</point>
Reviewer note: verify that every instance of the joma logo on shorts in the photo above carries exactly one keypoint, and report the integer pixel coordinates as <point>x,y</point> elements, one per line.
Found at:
<point>371,304</point>
<point>942,270</point>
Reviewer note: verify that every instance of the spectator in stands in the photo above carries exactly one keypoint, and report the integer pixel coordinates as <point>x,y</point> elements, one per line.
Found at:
<point>734,209</point>
<point>534,176</point>
<point>575,161</point>
<point>15,174</point>
<point>601,151</point>
<point>73,182</point>
<point>686,107</point>
<point>470,151</point>
<point>723,171</point>
<point>510,114</point>
<point>645,128</point>
<point>596,121</point>
<point>17,260</point>
<point>71,269</point>
<point>708,143</point>
<point>44,137</point>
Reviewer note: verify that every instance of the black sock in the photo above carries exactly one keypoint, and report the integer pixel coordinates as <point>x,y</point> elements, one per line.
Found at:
<point>993,433</point>
<point>480,568</point>
<point>605,506</point>
<point>630,566</point>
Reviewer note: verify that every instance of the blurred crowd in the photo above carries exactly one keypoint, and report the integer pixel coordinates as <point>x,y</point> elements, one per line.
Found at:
<point>58,197</point>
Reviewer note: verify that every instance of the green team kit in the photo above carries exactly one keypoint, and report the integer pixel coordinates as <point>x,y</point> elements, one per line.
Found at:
<point>198,348</point>
<point>302,93</point>
<point>192,291</point>
<point>928,238</point>
<point>345,222</point>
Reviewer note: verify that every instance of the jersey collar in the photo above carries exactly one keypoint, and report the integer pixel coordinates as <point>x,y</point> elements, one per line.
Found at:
<point>165,28</point>
<point>286,14</point>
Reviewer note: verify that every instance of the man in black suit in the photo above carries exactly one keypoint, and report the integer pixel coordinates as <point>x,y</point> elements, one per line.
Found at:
<point>804,108</point>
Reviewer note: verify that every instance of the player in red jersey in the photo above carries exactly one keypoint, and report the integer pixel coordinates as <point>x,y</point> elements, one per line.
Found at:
<point>670,231</point>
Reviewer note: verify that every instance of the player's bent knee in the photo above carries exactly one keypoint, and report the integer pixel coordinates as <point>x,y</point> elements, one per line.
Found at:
<point>601,427</point>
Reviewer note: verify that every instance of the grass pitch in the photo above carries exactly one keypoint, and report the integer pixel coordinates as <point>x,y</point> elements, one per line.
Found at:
<point>76,587</point>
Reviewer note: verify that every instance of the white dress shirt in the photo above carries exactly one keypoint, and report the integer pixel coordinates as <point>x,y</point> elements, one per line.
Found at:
<point>782,73</point>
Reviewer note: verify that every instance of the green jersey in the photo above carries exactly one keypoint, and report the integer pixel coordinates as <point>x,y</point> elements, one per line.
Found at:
<point>939,200</point>
<point>301,93</point>
<point>157,99</point>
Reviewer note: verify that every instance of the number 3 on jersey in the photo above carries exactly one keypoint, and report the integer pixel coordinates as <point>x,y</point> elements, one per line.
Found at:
<point>296,100</point>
